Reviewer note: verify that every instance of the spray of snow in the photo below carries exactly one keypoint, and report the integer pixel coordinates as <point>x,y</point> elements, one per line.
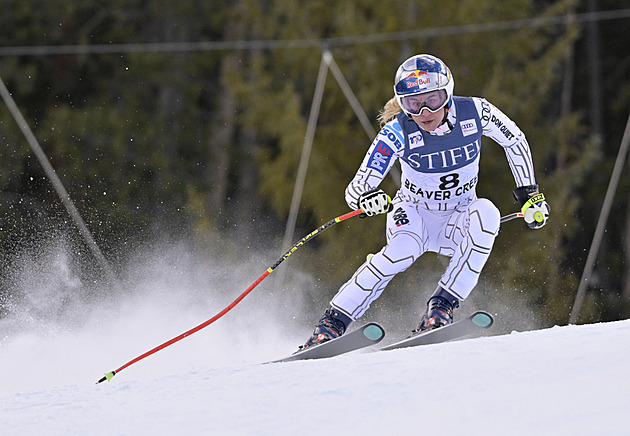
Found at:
<point>60,328</point>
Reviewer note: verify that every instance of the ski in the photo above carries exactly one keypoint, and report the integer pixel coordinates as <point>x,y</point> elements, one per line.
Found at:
<point>367,335</point>
<point>477,321</point>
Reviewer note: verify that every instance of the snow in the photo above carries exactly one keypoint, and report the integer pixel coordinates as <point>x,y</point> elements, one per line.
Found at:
<point>570,380</point>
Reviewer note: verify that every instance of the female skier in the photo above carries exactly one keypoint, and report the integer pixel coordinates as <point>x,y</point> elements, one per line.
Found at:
<point>436,136</point>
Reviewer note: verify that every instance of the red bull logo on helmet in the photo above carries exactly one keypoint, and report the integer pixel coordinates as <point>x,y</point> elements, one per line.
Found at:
<point>417,78</point>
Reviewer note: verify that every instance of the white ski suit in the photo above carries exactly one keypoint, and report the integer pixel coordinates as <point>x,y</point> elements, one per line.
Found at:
<point>436,208</point>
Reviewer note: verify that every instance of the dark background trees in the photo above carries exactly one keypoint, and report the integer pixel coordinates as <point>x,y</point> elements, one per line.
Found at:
<point>203,141</point>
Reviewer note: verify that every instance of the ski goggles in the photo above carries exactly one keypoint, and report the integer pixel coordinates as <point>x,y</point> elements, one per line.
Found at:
<point>432,100</point>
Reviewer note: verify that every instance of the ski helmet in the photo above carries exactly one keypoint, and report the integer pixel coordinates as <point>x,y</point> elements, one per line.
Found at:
<point>423,74</point>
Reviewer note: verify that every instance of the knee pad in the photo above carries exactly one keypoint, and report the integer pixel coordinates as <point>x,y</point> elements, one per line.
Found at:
<point>484,217</point>
<point>400,252</point>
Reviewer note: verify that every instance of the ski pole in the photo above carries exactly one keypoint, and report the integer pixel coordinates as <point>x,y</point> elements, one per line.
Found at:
<point>108,375</point>
<point>512,216</point>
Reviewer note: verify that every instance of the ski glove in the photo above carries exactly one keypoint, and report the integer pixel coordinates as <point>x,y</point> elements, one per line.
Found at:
<point>375,201</point>
<point>533,206</point>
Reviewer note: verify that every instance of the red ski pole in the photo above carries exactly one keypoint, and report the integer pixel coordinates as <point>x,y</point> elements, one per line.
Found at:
<point>108,375</point>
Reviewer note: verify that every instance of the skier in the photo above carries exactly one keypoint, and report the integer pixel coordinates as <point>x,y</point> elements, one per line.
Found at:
<point>436,137</point>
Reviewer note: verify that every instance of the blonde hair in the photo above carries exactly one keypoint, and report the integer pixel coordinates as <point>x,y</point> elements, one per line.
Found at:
<point>389,111</point>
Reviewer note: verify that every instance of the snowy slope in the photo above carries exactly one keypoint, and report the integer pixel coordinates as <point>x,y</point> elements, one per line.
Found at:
<point>56,343</point>
<point>563,381</point>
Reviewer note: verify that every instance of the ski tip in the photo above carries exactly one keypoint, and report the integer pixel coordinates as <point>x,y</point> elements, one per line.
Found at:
<point>374,332</point>
<point>108,376</point>
<point>482,319</point>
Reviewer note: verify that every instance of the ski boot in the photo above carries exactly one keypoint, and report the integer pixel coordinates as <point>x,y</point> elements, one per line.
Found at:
<point>332,325</point>
<point>439,310</point>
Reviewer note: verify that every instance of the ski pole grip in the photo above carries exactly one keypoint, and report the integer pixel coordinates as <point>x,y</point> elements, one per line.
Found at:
<point>537,198</point>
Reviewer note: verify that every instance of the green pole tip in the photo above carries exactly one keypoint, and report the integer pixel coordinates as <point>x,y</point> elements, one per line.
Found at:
<point>108,377</point>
